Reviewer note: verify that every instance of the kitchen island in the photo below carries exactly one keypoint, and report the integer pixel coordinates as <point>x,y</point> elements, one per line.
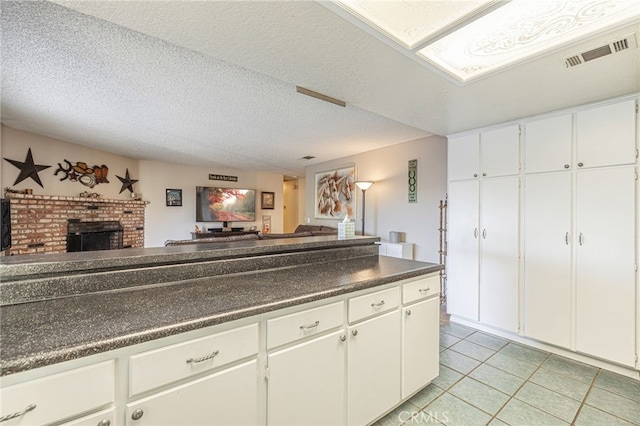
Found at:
<point>64,314</point>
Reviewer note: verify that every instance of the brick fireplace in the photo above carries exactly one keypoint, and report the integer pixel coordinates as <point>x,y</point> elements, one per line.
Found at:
<point>39,223</point>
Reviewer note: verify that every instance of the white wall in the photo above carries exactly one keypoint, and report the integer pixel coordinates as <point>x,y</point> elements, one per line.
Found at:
<point>161,222</point>
<point>49,152</point>
<point>387,206</point>
<point>176,223</point>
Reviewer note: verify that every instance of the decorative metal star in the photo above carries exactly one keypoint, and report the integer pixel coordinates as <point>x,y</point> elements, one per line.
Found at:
<point>28,169</point>
<point>127,182</point>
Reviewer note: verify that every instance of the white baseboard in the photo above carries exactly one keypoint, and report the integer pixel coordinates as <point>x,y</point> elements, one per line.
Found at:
<point>620,369</point>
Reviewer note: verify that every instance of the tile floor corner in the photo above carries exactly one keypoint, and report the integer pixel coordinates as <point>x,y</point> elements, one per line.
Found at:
<point>487,380</point>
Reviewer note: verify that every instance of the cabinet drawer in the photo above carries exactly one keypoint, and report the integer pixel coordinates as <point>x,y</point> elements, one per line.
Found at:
<point>61,395</point>
<point>168,364</point>
<point>421,289</point>
<point>302,324</point>
<point>371,304</point>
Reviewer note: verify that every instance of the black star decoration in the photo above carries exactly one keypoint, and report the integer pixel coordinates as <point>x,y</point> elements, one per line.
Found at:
<point>28,169</point>
<point>127,182</point>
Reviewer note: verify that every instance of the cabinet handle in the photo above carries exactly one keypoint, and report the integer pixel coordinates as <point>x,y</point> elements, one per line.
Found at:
<point>484,234</point>
<point>580,164</point>
<point>408,312</point>
<point>377,305</point>
<point>566,238</point>
<point>484,174</point>
<point>354,332</point>
<point>343,338</point>
<point>475,233</point>
<point>28,408</point>
<point>581,239</point>
<point>202,358</point>
<point>104,422</point>
<point>425,290</point>
<point>475,175</point>
<point>566,166</point>
<point>137,414</point>
<point>309,326</point>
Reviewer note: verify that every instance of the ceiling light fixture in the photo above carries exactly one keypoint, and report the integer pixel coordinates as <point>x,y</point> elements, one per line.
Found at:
<point>320,96</point>
<point>467,39</point>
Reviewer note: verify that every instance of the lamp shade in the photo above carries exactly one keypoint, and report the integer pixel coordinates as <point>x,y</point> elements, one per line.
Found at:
<point>364,184</point>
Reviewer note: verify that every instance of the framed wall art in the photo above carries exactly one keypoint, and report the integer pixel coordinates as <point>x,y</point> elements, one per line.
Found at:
<point>335,193</point>
<point>174,197</point>
<point>268,200</point>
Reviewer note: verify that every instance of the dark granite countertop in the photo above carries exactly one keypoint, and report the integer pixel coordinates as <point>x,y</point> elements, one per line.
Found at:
<point>41,333</point>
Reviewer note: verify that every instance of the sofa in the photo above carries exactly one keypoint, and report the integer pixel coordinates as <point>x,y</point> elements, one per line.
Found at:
<point>300,231</point>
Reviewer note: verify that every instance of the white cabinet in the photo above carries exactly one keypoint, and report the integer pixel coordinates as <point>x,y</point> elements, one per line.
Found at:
<point>500,151</point>
<point>102,418</point>
<point>606,135</point>
<point>463,256</point>
<point>482,264</point>
<point>605,257</point>
<point>373,372</point>
<point>488,154</point>
<point>399,250</point>
<point>59,396</point>
<point>306,384</point>
<point>548,144</point>
<point>463,157</point>
<point>548,245</point>
<point>420,344</point>
<point>162,366</point>
<point>306,381</point>
<point>499,262</point>
<point>229,397</point>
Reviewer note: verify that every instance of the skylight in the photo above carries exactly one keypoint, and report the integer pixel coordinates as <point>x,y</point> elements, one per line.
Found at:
<point>466,40</point>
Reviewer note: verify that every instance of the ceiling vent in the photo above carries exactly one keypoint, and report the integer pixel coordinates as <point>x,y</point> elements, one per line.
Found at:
<point>620,45</point>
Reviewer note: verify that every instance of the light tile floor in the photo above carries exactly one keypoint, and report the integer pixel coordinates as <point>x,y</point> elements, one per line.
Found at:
<point>487,380</point>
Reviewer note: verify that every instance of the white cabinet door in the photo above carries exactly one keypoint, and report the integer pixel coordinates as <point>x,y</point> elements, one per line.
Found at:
<point>607,135</point>
<point>420,345</point>
<point>606,263</point>
<point>548,144</point>
<point>229,397</point>
<point>462,249</point>
<point>307,383</point>
<point>464,157</point>
<point>548,243</point>
<point>500,249</point>
<point>501,151</point>
<point>373,369</point>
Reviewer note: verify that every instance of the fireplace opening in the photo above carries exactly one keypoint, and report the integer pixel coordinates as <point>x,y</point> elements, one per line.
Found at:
<point>90,236</point>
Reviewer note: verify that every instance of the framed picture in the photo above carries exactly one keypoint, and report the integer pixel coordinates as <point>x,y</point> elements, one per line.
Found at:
<point>174,197</point>
<point>268,200</point>
<point>335,193</point>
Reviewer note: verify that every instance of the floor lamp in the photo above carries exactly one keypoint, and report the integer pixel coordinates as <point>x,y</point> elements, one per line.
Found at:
<point>363,185</point>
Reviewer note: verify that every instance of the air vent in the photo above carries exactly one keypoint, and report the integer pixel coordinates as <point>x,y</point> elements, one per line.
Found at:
<point>625,43</point>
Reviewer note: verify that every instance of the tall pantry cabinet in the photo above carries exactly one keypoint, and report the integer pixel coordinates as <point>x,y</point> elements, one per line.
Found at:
<point>578,234</point>
<point>482,277</point>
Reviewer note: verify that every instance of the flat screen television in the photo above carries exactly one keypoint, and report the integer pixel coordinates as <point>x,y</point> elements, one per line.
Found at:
<point>225,204</point>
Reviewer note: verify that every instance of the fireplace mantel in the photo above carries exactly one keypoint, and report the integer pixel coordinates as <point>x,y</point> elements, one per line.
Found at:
<point>39,222</point>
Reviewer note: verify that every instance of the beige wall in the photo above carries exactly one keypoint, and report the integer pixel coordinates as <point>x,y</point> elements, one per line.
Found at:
<point>176,223</point>
<point>50,152</point>
<point>387,206</point>
<point>162,222</point>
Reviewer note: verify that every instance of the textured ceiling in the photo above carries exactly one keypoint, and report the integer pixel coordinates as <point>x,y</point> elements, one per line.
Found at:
<point>213,83</point>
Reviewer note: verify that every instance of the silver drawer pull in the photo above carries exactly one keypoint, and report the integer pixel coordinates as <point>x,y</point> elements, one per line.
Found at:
<point>424,290</point>
<point>104,422</point>
<point>310,326</point>
<point>202,358</point>
<point>28,408</point>
<point>377,305</point>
